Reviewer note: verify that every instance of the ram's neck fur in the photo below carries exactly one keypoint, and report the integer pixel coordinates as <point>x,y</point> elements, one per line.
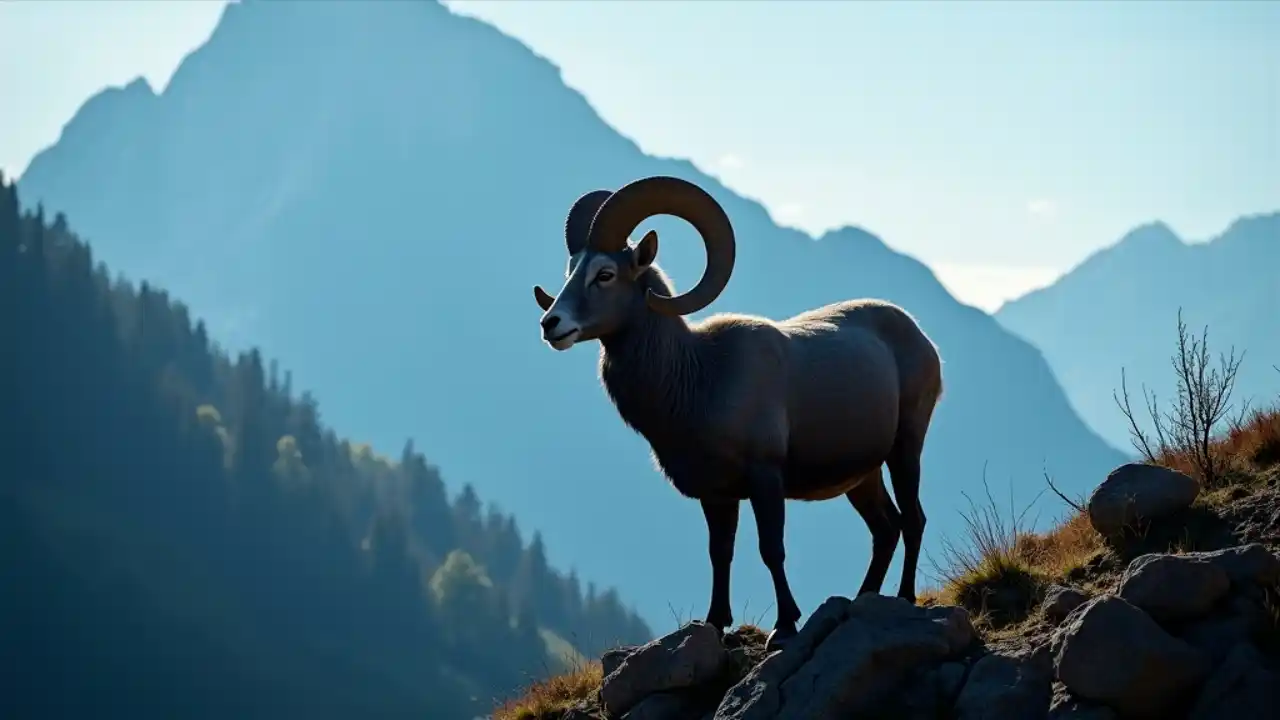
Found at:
<point>656,369</point>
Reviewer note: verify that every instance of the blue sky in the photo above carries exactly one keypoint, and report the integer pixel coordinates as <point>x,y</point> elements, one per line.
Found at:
<point>999,142</point>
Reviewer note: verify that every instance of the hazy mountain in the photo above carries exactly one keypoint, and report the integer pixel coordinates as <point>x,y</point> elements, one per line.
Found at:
<point>1118,309</point>
<point>403,173</point>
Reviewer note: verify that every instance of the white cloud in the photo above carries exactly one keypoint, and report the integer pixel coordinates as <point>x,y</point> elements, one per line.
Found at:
<point>986,287</point>
<point>731,161</point>
<point>788,211</point>
<point>1042,208</point>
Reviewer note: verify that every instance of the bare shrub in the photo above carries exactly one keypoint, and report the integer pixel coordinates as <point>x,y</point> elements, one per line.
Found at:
<point>1185,433</point>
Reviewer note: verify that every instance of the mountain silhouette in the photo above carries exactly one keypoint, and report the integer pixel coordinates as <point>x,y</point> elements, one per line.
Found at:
<point>1118,309</point>
<point>404,173</point>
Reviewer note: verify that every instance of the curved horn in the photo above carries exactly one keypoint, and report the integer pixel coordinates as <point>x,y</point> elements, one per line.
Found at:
<point>578,224</point>
<point>637,201</point>
<point>544,298</point>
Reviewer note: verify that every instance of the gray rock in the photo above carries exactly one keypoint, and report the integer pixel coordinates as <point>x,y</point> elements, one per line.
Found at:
<point>1240,620</point>
<point>1060,600</point>
<point>1251,563</point>
<point>950,678</point>
<point>1173,587</point>
<point>612,658</point>
<point>664,706</point>
<point>847,659</point>
<point>1135,492</point>
<point>920,698</point>
<point>688,657</point>
<point>1069,707</point>
<point>1001,686</point>
<point>1112,653</point>
<point>1241,689</point>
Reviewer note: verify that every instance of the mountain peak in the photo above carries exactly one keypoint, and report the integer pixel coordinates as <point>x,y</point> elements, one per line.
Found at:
<point>1150,237</point>
<point>853,237</point>
<point>111,100</point>
<point>1255,228</point>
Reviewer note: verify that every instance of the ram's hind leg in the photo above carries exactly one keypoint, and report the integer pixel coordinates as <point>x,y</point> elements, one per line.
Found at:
<point>872,502</point>
<point>904,468</point>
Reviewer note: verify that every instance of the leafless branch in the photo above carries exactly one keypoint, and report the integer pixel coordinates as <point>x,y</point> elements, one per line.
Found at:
<point>1078,507</point>
<point>1202,403</point>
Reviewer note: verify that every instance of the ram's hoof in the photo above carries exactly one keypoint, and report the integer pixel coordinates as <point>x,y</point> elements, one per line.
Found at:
<point>779,637</point>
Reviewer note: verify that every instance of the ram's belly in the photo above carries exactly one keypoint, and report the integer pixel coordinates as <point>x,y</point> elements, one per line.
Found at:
<point>702,478</point>
<point>823,491</point>
<point>826,480</point>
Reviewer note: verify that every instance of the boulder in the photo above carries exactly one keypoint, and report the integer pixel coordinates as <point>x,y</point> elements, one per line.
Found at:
<point>1069,707</point>
<point>687,658</point>
<point>848,659</point>
<point>1135,492</point>
<point>664,706</point>
<point>1241,619</point>
<point>1002,687</point>
<point>1060,600</point>
<point>950,678</point>
<point>1240,689</point>
<point>1251,563</point>
<point>1173,587</point>
<point>1112,653</point>
<point>611,659</point>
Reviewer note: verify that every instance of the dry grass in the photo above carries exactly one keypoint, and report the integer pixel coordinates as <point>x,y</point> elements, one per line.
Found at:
<point>550,698</point>
<point>1065,549</point>
<point>999,571</point>
<point>1249,444</point>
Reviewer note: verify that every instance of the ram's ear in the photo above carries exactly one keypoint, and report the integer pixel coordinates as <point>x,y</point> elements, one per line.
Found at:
<point>646,252</point>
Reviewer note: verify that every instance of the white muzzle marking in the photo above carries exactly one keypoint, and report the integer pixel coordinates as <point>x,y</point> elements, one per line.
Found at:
<point>563,334</point>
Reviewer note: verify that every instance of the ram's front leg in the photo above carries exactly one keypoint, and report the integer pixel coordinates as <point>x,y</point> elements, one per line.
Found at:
<point>722,531</point>
<point>768,502</point>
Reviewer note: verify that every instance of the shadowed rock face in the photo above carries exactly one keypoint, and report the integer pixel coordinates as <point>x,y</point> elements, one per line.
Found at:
<point>1189,636</point>
<point>367,191</point>
<point>879,656</point>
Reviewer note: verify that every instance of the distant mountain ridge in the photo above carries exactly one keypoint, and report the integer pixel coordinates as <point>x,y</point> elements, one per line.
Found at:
<point>403,172</point>
<point>1118,308</point>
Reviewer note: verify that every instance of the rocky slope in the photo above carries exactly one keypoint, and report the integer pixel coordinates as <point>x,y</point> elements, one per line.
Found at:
<point>1169,609</point>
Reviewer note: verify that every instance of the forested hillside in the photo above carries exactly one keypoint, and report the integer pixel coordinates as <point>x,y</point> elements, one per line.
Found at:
<point>182,537</point>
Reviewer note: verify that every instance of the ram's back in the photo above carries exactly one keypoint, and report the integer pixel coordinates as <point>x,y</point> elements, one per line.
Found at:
<point>850,365</point>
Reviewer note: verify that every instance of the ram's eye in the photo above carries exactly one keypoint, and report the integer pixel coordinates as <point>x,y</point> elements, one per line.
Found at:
<point>604,276</point>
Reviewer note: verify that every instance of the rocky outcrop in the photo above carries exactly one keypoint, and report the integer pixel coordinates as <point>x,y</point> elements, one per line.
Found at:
<point>1136,493</point>
<point>1183,636</point>
<point>1178,639</point>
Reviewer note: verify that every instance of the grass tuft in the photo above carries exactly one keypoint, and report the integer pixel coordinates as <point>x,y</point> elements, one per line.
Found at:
<point>549,699</point>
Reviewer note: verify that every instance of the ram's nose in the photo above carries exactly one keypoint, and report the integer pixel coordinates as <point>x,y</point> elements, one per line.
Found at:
<point>549,324</point>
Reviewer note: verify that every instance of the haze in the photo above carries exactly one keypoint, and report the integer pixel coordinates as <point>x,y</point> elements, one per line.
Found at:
<point>999,143</point>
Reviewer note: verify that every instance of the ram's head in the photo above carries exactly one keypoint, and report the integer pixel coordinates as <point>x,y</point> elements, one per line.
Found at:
<point>604,288</point>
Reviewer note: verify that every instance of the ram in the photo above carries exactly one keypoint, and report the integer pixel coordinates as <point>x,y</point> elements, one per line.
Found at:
<point>738,407</point>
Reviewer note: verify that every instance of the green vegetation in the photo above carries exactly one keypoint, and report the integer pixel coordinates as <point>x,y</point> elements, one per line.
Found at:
<point>184,538</point>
